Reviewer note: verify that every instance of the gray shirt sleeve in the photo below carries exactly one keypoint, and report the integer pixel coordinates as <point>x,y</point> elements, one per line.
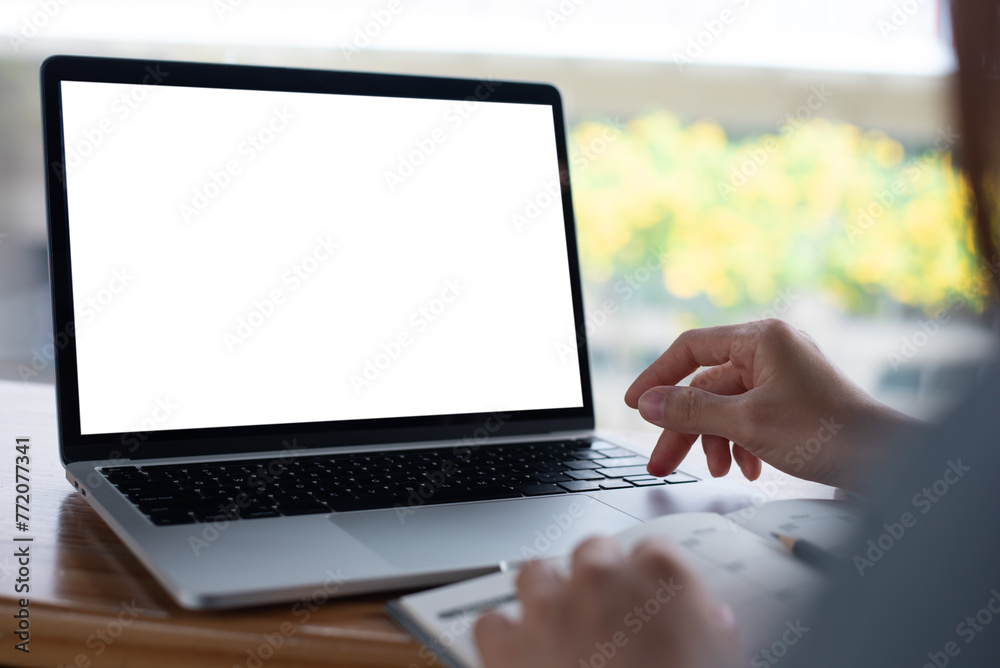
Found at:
<point>923,584</point>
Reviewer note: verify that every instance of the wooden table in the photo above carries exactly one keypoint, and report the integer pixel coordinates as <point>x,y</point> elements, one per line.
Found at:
<point>91,603</point>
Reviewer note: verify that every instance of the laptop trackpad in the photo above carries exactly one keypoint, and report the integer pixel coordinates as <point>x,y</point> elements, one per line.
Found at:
<point>473,535</point>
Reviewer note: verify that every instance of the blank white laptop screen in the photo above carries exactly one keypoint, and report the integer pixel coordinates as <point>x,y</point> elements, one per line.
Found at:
<point>252,257</point>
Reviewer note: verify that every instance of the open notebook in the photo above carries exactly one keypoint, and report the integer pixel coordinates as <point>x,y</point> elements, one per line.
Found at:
<point>735,555</point>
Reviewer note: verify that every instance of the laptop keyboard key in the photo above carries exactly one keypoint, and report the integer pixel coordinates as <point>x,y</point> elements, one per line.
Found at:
<point>293,498</point>
<point>623,471</point>
<point>213,515</point>
<point>258,513</point>
<point>585,475</point>
<point>614,451</point>
<point>614,484</point>
<point>647,482</point>
<point>546,466</point>
<point>124,474</point>
<point>616,462</point>
<point>131,488</point>
<point>168,518</point>
<point>598,444</point>
<point>552,477</point>
<point>580,464</point>
<point>149,499</point>
<point>588,454</point>
<point>169,487</point>
<point>580,486</point>
<point>256,488</point>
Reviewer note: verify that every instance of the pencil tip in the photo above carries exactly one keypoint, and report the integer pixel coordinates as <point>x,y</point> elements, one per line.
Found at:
<point>787,541</point>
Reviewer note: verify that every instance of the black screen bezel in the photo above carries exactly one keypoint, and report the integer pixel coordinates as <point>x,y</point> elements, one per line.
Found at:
<point>75,446</point>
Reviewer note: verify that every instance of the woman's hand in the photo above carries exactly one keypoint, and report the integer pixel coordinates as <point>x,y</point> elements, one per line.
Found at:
<point>769,389</point>
<point>614,611</point>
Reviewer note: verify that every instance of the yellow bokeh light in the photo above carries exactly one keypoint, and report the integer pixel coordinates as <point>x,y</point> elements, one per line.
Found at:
<point>825,207</point>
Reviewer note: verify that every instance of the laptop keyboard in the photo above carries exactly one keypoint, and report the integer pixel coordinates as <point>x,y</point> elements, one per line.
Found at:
<point>258,488</point>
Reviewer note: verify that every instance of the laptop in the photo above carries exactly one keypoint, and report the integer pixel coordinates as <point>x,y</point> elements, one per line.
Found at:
<point>324,331</point>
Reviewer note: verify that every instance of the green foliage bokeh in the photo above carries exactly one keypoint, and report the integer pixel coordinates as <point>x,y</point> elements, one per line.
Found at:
<point>823,207</point>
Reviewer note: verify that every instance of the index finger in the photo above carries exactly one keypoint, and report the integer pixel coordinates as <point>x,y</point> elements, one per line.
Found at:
<point>691,350</point>
<point>539,580</point>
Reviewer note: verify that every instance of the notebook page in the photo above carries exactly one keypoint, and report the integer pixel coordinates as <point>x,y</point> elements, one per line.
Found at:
<point>765,586</point>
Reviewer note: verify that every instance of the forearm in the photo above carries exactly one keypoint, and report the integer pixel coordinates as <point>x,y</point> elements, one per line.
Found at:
<point>868,450</point>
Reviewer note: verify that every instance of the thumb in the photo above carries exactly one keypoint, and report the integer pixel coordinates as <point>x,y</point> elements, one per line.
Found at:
<point>688,410</point>
<point>495,634</point>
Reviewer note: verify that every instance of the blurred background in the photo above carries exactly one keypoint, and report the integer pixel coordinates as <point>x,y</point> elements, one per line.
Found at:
<point>731,160</point>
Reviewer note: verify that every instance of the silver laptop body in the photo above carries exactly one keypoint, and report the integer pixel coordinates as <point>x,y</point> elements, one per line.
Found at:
<point>257,269</point>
